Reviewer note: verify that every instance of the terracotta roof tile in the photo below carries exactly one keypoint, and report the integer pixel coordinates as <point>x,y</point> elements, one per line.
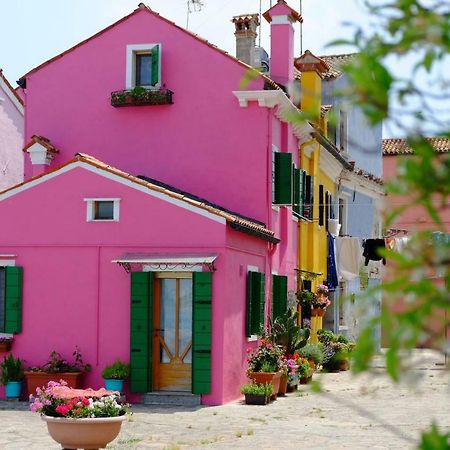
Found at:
<point>43,141</point>
<point>8,84</point>
<point>401,147</point>
<point>334,63</point>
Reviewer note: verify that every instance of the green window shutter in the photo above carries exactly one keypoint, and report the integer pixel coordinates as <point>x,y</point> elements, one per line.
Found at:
<point>201,332</point>
<point>321,205</point>
<point>141,332</point>
<point>279,295</point>
<point>155,65</point>
<point>13,299</point>
<point>297,190</point>
<point>301,188</point>
<point>283,179</point>
<point>256,286</point>
<point>311,197</point>
<point>307,206</point>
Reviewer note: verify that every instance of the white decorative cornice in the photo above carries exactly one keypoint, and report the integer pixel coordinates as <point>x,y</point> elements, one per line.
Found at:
<point>351,180</point>
<point>11,96</point>
<point>286,111</point>
<point>329,164</point>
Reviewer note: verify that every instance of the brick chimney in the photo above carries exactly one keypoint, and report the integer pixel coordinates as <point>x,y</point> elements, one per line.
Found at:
<point>281,18</point>
<point>245,32</point>
<point>312,69</point>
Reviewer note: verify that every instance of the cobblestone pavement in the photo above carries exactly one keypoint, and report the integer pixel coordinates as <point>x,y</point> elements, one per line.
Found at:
<point>351,413</point>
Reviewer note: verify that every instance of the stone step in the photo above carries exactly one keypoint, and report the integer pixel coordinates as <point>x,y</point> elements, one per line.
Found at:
<point>171,398</point>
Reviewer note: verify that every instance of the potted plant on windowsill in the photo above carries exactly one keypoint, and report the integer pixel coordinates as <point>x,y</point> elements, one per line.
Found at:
<point>57,368</point>
<point>79,418</point>
<point>320,301</point>
<point>5,343</point>
<point>141,96</point>
<point>12,376</point>
<point>257,393</point>
<point>115,374</point>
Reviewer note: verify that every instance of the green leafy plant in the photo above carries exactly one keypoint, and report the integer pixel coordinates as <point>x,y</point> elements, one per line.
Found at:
<point>264,389</point>
<point>57,364</point>
<point>116,371</point>
<point>267,357</point>
<point>286,332</point>
<point>11,369</point>
<point>313,352</point>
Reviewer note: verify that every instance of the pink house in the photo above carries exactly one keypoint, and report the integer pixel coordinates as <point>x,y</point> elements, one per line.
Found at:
<point>11,134</point>
<point>155,223</point>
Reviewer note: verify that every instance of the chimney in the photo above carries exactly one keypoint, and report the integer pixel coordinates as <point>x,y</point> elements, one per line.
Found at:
<point>41,152</point>
<point>281,18</point>
<point>312,69</point>
<point>245,32</point>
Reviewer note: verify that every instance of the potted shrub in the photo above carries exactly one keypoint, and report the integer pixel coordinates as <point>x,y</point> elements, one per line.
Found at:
<point>55,369</point>
<point>12,375</point>
<point>320,301</point>
<point>313,353</point>
<point>304,370</point>
<point>5,343</point>
<point>78,418</point>
<point>265,363</point>
<point>257,393</point>
<point>287,333</point>
<point>115,374</point>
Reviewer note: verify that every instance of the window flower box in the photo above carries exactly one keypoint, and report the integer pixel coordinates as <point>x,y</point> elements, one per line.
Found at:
<point>141,96</point>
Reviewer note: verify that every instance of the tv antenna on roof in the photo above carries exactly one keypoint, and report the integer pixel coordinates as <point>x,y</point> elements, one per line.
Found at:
<point>193,6</point>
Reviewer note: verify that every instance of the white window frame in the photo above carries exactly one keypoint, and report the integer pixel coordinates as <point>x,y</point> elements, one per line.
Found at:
<point>90,210</point>
<point>132,51</point>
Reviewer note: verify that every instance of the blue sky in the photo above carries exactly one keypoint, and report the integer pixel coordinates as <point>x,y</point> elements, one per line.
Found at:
<point>33,31</point>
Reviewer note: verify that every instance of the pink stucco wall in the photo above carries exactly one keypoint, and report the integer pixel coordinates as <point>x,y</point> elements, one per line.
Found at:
<point>11,141</point>
<point>417,217</point>
<point>204,143</point>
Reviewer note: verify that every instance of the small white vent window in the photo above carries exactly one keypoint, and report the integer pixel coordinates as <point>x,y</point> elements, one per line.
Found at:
<point>102,209</point>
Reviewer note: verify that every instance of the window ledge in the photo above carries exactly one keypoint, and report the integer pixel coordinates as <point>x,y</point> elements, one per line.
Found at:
<point>141,96</point>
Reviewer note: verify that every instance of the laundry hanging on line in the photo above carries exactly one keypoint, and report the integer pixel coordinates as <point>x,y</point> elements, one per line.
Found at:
<point>371,250</point>
<point>348,257</point>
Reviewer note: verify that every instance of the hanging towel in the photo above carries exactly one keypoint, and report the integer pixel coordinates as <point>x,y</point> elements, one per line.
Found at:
<point>371,247</point>
<point>332,278</point>
<point>348,257</point>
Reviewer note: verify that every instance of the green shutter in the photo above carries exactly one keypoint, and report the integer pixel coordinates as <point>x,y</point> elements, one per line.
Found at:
<point>141,331</point>
<point>301,187</point>
<point>321,205</point>
<point>13,299</point>
<point>155,65</point>
<point>311,197</point>
<point>279,295</point>
<point>201,332</point>
<point>256,284</point>
<point>283,179</point>
<point>297,190</point>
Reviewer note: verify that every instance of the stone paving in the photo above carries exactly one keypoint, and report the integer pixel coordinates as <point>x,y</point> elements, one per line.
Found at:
<point>351,413</point>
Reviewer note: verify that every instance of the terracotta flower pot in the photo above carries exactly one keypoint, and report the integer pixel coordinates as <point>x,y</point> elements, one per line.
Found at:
<point>5,346</point>
<point>90,434</point>
<point>267,377</point>
<point>39,379</point>
<point>317,312</point>
<point>283,385</point>
<point>343,365</point>
<point>305,380</point>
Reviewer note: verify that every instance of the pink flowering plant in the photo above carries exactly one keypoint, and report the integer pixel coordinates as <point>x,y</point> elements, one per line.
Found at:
<point>320,298</point>
<point>267,357</point>
<point>58,400</point>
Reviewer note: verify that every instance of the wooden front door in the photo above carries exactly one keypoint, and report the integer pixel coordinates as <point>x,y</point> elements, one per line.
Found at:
<point>172,337</point>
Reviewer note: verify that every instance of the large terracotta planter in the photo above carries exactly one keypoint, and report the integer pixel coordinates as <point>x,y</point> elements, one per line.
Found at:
<point>267,377</point>
<point>283,385</point>
<point>84,433</point>
<point>317,312</point>
<point>39,379</point>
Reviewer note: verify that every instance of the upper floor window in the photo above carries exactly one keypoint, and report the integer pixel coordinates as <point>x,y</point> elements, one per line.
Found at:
<point>143,66</point>
<point>102,209</point>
